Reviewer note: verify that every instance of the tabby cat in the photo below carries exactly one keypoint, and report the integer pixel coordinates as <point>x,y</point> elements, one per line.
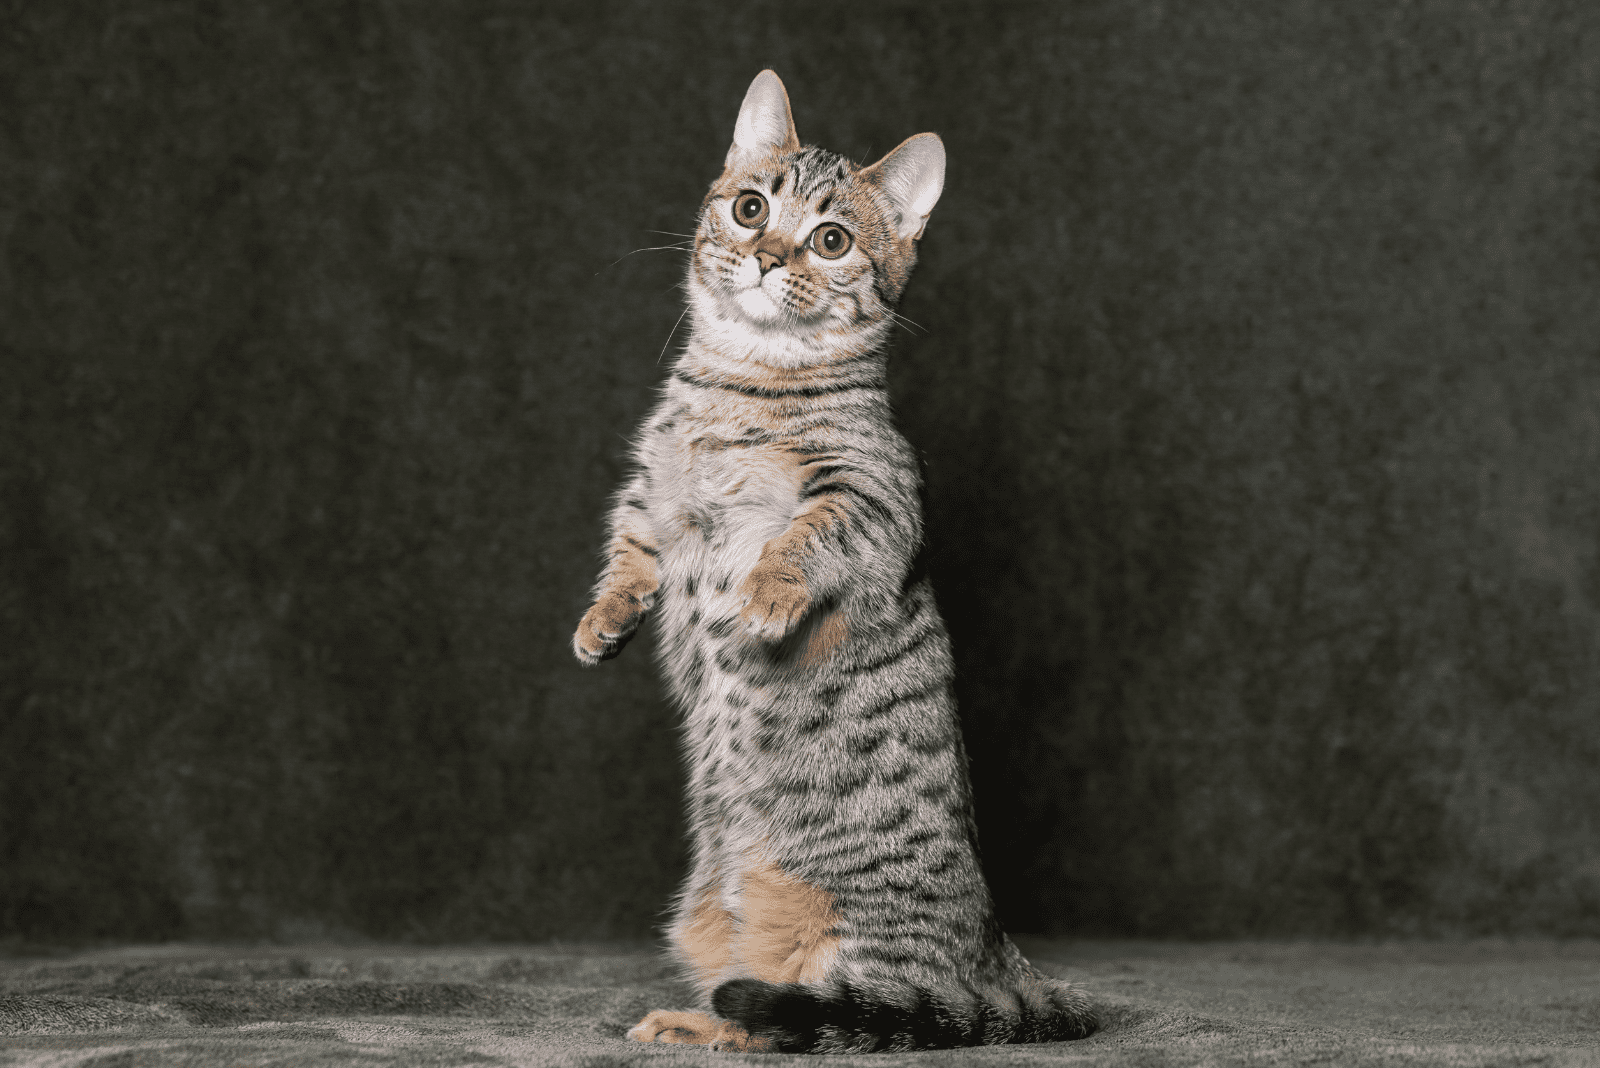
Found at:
<point>835,902</point>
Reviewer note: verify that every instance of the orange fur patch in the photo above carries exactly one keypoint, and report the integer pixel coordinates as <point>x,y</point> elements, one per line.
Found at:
<point>706,941</point>
<point>785,934</point>
<point>826,638</point>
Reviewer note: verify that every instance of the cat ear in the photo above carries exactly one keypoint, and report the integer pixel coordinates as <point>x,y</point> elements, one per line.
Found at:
<point>764,122</point>
<point>913,176</point>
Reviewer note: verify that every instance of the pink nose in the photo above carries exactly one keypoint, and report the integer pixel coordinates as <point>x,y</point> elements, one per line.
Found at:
<point>767,261</point>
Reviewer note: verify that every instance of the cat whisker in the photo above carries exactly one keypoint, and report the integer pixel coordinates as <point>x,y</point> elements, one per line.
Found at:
<point>650,248</point>
<point>674,330</point>
<point>910,324</point>
<point>669,233</point>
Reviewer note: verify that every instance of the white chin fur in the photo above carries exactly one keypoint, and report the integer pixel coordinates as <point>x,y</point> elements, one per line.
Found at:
<point>757,305</point>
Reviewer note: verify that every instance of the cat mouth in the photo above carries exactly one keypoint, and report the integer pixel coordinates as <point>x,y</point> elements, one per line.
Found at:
<point>767,303</point>
<point>762,304</point>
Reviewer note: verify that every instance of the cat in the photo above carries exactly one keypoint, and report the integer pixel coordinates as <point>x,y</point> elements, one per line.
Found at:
<point>772,526</point>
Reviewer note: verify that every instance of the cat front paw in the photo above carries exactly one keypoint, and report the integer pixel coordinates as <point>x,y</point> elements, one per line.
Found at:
<point>609,623</point>
<point>776,598</point>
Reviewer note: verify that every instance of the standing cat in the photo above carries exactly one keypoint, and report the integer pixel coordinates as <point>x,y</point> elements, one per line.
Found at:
<point>835,902</point>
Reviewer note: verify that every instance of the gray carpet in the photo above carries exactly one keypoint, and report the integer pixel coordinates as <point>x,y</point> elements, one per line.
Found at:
<point>1487,1003</point>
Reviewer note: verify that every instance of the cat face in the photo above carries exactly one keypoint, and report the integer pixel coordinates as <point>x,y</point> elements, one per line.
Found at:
<point>799,240</point>
<point>802,240</point>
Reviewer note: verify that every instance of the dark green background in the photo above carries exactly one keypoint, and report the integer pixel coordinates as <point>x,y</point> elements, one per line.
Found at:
<point>1258,385</point>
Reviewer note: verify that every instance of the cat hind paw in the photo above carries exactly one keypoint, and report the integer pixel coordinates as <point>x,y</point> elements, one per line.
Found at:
<point>698,1029</point>
<point>662,1025</point>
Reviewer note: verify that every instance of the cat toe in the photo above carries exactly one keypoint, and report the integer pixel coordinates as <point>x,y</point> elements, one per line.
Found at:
<point>775,598</point>
<point>693,1028</point>
<point>591,648</point>
<point>734,1039</point>
<point>608,625</point>
<point>586,656</point>
<point>775,617</point>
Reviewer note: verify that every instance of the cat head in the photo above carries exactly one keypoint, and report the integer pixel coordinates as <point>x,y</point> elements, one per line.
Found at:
<point>802,241</point>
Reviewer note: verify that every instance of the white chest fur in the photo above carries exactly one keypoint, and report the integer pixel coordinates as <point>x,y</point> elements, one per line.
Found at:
<point>718,493</point>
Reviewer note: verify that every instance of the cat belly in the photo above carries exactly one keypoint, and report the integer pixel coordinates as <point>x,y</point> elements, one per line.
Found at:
<point>771,767</point>
<point>714,523</point>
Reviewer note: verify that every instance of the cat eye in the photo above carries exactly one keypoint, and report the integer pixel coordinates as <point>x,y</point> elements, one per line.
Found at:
<point>830,241</point>
<point>750,210</point>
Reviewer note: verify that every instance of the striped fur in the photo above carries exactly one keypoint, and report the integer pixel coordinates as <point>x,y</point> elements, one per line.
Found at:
<point>772,527</point>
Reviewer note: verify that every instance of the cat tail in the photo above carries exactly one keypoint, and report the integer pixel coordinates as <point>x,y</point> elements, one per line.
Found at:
<point>836,1016</point>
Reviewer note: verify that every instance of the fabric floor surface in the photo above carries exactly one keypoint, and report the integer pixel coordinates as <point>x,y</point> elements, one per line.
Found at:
<point>1232,1003</point>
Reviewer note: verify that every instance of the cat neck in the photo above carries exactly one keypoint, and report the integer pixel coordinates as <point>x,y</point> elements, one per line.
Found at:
<point>722,344</point>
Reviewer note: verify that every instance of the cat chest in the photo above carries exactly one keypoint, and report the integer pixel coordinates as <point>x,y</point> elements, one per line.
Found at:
<point>716,489</point>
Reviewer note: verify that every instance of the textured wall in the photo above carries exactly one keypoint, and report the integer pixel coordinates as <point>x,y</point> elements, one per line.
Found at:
<point>1258,386</point>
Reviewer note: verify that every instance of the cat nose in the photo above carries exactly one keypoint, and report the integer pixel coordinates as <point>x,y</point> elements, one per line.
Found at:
<point>767,261</point>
